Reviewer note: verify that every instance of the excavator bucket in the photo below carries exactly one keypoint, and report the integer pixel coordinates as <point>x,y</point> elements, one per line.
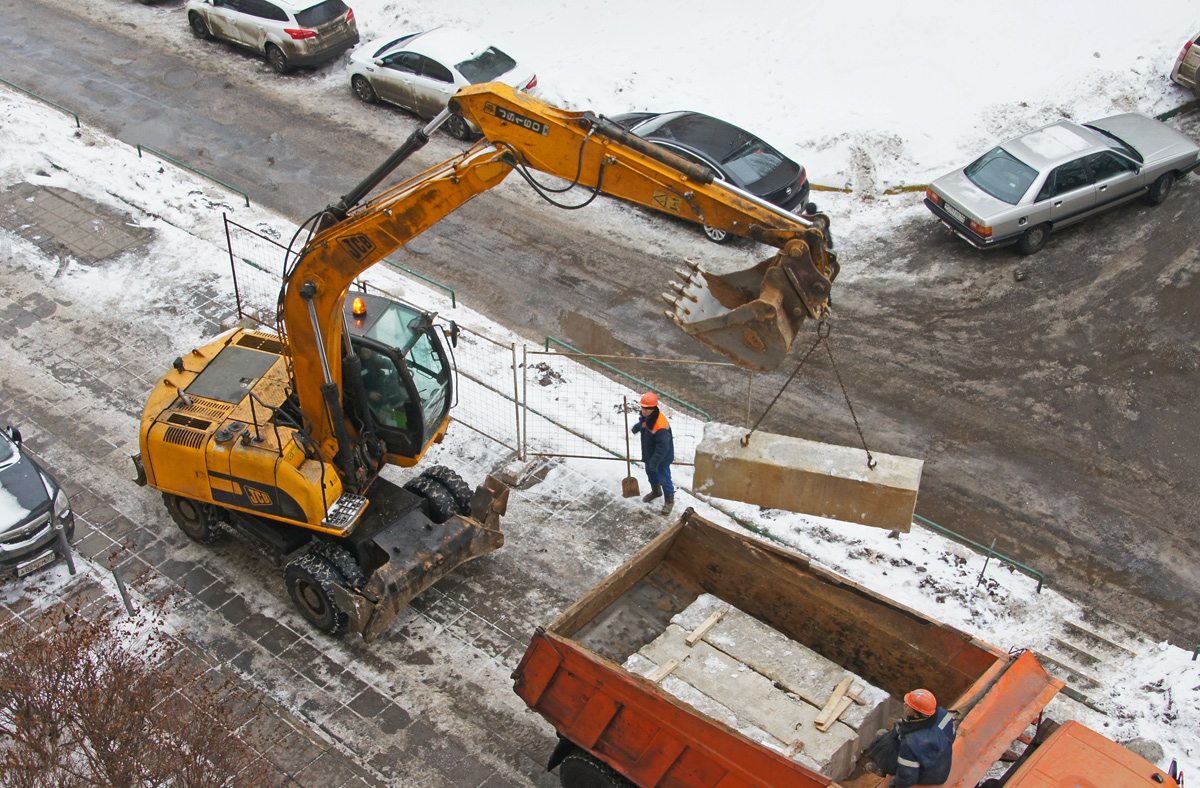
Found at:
<point>752,315</point>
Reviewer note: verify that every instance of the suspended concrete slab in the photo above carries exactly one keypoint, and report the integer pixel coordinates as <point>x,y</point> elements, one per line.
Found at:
<point>805,476</point>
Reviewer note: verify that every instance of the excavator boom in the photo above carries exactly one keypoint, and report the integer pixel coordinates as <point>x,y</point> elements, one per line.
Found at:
<point>752,315</point>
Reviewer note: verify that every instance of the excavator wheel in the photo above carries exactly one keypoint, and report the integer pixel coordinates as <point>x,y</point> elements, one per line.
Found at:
<point>341,559</point>
<point>581,770</point>
<point>439,502</point>
<point>458,488</point>
<point>309,581</point>
<point>197,520</point>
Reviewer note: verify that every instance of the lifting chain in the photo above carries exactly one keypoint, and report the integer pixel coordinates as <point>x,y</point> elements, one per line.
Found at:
<point>823,330</point>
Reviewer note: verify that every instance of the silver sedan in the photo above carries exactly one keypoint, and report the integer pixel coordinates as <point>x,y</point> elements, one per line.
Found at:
<point>1021,190</point>
<point>421,72</point>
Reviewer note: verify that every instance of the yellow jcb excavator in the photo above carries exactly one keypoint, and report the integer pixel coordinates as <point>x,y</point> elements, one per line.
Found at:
<point>283,436</point>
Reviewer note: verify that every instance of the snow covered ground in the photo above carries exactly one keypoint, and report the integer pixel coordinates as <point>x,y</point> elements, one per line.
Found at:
<point>820,81</point>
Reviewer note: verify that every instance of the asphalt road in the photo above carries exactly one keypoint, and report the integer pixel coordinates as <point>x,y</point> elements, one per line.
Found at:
<point>1050,397</point>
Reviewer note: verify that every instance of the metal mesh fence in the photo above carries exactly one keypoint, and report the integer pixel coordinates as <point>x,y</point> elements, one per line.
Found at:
<point>488,397</point>
<point>258,264</point>
<point>583,405</point>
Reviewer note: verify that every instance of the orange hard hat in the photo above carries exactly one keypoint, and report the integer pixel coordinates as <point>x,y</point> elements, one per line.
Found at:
<point>649,400</point>
<point>922,702</point>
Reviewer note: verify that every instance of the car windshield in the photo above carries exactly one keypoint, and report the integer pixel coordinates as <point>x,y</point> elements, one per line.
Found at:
<point>1118,144</point>
<point>1001,175</point>
<point>486,66</point>
<point>321,13</point>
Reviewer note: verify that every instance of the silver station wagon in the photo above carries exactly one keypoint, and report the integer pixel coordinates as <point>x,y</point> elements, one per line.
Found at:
<point>1021,190</point>
<point>288,33</point>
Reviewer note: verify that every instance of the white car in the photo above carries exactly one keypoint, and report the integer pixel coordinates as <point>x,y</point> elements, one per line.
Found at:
<point>422,71</point>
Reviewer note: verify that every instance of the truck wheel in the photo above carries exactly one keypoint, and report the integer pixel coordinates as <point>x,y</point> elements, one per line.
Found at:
<point>459,489</point>
<point>580,770</point>
<point>197,520</point>
<point>309,581</point>
<point>351,573</point>
<point>439,503</point>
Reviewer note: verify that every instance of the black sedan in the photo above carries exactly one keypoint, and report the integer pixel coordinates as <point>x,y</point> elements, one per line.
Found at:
<point>32,508</point>
<point>733,154</point>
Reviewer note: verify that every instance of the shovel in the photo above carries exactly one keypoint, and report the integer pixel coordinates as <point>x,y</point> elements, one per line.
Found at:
<point>629,485</point>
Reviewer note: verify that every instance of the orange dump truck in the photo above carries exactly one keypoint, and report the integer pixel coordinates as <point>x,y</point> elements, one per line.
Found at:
<point>712,659</point>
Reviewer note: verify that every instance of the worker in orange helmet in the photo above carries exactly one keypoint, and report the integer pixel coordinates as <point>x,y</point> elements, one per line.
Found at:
<point>658,451</point>
<point>918,749</point>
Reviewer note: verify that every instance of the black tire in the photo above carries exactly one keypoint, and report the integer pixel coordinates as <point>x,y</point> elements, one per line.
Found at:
<point>197,520</point>
<point>309,581</point>
<point>277,60</point>
<point>1161,189</point>
<point>362,88</point>
<point>199,27</point>
<point>458,128</point>
<point>717,236</point>
<point>580,770</point>
<point>350,573</point>
<point>1033,239</point>
<point>439,503</point>
<point>459,489</point>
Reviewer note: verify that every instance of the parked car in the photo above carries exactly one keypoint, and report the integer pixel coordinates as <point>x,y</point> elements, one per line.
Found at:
<point>289,33</point>
<point>1023,189</point>
<point>1187,64</point>
<point>733,154</point>
<point>421,71</point>
<point>32,506</point>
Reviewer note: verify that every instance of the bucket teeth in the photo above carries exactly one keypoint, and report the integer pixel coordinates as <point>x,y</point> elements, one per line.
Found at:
<point>670,299</point>
<point>691,264</point>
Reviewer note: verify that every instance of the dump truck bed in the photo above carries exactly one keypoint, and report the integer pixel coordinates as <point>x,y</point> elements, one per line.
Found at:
<point>573,673</point>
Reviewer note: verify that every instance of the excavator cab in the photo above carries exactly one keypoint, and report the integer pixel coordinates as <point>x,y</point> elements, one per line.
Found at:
<point>403,376</point>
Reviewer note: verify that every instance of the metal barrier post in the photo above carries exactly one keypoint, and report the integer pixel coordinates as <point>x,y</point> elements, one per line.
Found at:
<point>524,442</point>
<point>124,593</point>
<point>64,546</point>
<point>517,404</point>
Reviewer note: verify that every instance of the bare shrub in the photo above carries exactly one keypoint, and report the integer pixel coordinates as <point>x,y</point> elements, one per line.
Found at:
<point>96,700</point>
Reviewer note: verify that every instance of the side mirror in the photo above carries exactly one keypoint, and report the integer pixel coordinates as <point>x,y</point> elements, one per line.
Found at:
<point>453,334</point>
<point>15,435</point>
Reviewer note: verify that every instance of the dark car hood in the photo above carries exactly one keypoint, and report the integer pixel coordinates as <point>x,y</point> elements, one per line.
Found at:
<point>24,493</point>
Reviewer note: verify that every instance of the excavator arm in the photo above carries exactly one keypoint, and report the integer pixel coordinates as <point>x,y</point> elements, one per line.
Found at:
<point>752,316</point>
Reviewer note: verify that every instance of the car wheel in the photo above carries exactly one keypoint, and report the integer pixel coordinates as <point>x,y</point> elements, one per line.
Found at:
<point>439,503</point>
<point>581,770</point>
<point>309,581</point>
<point>458,128</point>
<point>277,59</point>
<point>199,27</point>
<point>195,519</point>
<point>362,89</point>
<point>1161,189</point>
<point>717,236</point>
<point>1033,239</point>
